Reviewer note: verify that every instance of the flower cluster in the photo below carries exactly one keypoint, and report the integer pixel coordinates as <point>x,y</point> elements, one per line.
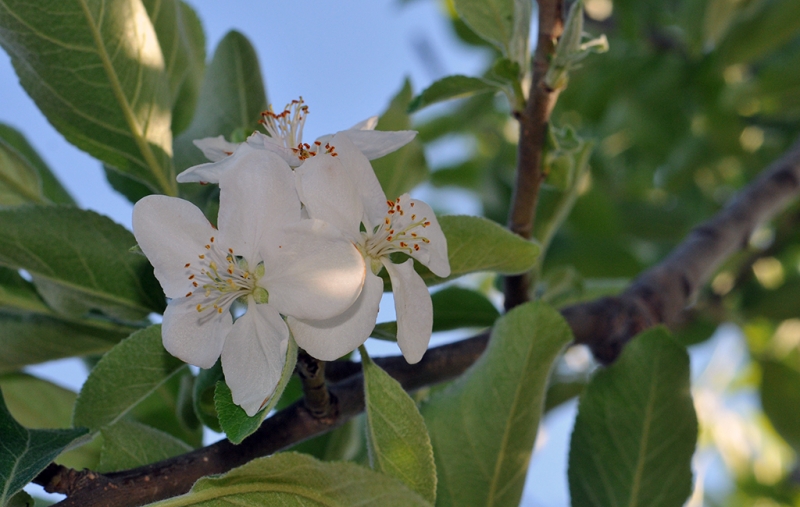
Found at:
<point>303,231</point>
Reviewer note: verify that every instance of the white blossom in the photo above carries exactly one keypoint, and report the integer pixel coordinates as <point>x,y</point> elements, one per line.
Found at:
<point>285,138</point>
<point>342,187</point>
<point>262,255</point>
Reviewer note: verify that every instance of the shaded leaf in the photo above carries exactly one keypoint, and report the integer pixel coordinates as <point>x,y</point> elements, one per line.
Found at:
<point>79,261</point>
<point>775,23</point>
<point>450,87</point>
<point>25,452</point>
<point>232,97</point>
<point>484,424</point>
<point>233,419</point>
<point>125,376</point>
<point>404,169</point>
<point>203,396</point>
<point>29,338</point>
<point>453,308</point>
<point>636,428</point>
<point>128,444</point>
<point>51,188</point>
<point>97,73</point>
<point>397,439</point>
<point>19,180</point>
<point>780,398</point>
<point>297,479</point>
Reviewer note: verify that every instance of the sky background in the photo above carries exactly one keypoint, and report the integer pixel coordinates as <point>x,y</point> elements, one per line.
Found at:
<point>347,60</point>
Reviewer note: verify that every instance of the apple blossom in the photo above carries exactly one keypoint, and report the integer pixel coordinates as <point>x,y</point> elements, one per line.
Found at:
<point>345,190</point>
<point>285,138</point>
<point>263,255</point>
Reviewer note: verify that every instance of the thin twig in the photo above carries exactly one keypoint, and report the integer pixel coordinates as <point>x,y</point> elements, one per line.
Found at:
<point>658,296</point>
<point>533,123</point>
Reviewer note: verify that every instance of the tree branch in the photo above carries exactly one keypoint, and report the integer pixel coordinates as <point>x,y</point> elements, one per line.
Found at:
<point>606,325</point>
<point>660,294</point>
<point>533,123</point>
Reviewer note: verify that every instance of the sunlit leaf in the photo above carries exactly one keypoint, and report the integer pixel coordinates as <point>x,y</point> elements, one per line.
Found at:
<point>96,71</point>
<point>484,424</point>
<point>397,438</point>
<point>297,479</point>
<point>491,19</point>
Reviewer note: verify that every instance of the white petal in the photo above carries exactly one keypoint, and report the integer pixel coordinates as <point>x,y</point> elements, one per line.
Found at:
<point>432,254</point>
<point>332,338</point>
<point>368,124</point>
<point>194,337</point>
<point>212,171</point>
<point>253,356</point>
<point>265,142</point>
<point>215,148</point>
<point>313,271</point>
<point>361,172</point>
<point>256,195</point>
<point>170,232</point>
<point>412,303</point>
<point>329,192</point>
<point>377,143</point>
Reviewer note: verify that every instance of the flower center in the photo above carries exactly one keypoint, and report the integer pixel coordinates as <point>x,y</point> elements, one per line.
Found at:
<point>221,277</point>
<point>401,231</point>
<point>286,127</point>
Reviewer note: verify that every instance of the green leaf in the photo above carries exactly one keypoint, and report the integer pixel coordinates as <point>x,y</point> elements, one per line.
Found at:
<point>484,424</point>
<point>397,439</point>
<point>404,169</point>
<point>51,188</point>
<point>780,399</point>
<point>19,294</point>
<point>636,429</point>
<point>37,403</point>
<point>97,73</point>
<point>478,244</point>
<point>29,338</point>
<point>233,419</point>
<point>183,45</point>
<point>128,444</point>
<point>26,452</point>
<point>297,479</point>
<point>453,308</point>
<point>493,20</point>
<point>232,97</point>
<point>21,499</point>
<point>79,261</point>
<point>125,376</point>
<point>19,181</point>
<point>203,396</point>
<point>774,24</point>
<point>451,87</point>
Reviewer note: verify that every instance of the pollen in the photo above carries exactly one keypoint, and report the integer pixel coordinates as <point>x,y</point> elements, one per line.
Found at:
<point>187,264</point>
<point>188,294</point>
<point>201,256</point>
